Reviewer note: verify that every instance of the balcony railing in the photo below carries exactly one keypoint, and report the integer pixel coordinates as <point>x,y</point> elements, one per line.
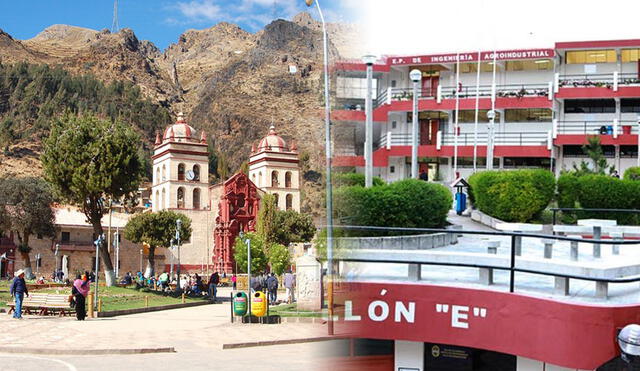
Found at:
<point>597,127</point>
<point>600,80</point>
<point>467,139</point>
<point>449,92</point>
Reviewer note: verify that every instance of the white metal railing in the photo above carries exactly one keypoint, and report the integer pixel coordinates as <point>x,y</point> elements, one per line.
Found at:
<point>602,127</point>
<point>539,138</point>
<point>601,80</point>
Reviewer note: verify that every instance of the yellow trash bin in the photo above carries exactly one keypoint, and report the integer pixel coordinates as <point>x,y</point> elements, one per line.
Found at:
<point>259,304</point>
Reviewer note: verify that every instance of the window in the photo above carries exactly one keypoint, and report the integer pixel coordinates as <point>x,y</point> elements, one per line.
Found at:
<point>590,106</point>
<point>392,169</point>
<point>353,87</point>
<point>196,198</point>
<point>260,179</point>
<point>196,172</point>
<point>393,83</point>
<point>469,116</point>
<point>164,173</point>
<point>528,115</point>
<point>274,179</point>
<point>591,56</point>
<point>253,178</point>
<point>39,236</point>
<point>481,162</point>
<point>577,151</point>
<point>394,124</point>
<point>630,55</point>
<point>277,200</point>
<point>473,67</point>
<point>157,179</point>
<point>630,105</point>
<point>371,347</point>
<point>180,198</point>
<point>156,202</point>
<point>629,151</point>
<point>287,179</point>
<point>164,201</point>
<point>65,237</point>
<point>529,65</point>
<point>289,201</point>
<point>513,162</point>
<point>181,172</point>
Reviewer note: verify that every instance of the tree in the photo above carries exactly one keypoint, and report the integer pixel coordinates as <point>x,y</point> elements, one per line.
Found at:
<point>157,230</point>
<point>88,161</point>
<point>291,226</point>
<point>279,258</point>
<point>599,164</point>
<point>265,226</point>
<point>258,257</point>
<point>26,206</point>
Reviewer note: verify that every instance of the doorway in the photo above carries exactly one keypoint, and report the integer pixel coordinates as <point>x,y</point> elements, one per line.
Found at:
<point>428,131</point>
<point>431,168</point>
<point>430,85</point>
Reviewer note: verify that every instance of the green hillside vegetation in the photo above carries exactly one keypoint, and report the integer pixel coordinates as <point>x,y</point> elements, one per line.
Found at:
<point>30,95</point>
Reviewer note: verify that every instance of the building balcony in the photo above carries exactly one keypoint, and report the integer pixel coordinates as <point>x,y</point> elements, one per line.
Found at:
<point>389,139</point>
<point>610,85</point>
<point>604,127</point>
<point>390,95</point>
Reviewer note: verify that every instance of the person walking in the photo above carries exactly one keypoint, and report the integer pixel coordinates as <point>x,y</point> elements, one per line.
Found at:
<point>234,281</point>
<point>18,290</point>
<point>289,284</point>
<point>272,286</point>
<point>80,290</point>
<point>214,280</point>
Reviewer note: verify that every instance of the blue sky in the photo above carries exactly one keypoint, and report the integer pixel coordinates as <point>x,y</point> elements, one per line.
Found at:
<point>160,21</point>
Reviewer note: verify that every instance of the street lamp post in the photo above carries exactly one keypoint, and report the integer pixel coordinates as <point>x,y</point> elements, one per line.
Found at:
<point>368,104</point>
<point>97,242</point>
<point>248,242</point>
<point>415,76</point>
<point>329,191</point>
<point>178,227</point>
<point>116,237</point>
<point>491,115</point>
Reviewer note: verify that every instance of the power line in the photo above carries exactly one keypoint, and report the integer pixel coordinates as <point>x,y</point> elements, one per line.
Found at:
<point>115,27</point>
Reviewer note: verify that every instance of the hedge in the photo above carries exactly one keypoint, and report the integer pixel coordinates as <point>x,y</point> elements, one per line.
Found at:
<point>599,192</point>
<point>409,203</point>
<point>632,173</point>
<point>513,196</point>
<point>354,179</point>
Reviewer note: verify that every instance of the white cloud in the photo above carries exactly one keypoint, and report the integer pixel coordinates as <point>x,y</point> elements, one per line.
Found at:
<point>200,10</point>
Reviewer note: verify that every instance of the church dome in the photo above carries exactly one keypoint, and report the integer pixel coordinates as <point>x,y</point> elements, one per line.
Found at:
<point>180,131</point>
<point>273,142</point>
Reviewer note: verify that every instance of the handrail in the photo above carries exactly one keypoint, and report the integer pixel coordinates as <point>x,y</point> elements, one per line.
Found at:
<point>511,268</point>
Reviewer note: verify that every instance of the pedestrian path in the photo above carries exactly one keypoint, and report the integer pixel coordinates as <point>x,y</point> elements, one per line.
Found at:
<point>204,327</point>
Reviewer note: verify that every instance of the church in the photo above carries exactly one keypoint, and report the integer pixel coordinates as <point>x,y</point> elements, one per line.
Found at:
<point>218,212</point>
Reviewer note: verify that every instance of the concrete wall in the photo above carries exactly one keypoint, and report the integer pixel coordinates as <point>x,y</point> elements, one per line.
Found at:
<point>416,242</point>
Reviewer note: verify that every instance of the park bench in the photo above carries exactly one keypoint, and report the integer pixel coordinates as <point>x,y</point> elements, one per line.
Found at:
<point>45,304</point>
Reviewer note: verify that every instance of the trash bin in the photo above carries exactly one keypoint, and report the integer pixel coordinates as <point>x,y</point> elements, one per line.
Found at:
<point>461,202</point>
<point>240,304</point>
<point>626,129</point>
<point>259,304</point>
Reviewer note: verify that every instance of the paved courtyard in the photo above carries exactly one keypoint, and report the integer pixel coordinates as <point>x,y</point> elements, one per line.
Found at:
<point>196,333</point>
<point>536,284</point>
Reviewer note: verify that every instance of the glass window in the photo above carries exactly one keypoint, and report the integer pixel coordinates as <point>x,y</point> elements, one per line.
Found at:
<point>468,116</point>
<point>481,162</point>
<point>630,55</point>
<point>589,106</point>
<point>65,237</point>
<point>371,347</point>
<point>528,115</point>
<point>196,198</point>
<point>573,151</point>
<point>289,201</point>
<point>591,56</point>
<point>473,67</point>
<point>513,162</point>
<point>629,151</point>
<point>181,172</point>
<point>529,65</point>
<point>630,105</point>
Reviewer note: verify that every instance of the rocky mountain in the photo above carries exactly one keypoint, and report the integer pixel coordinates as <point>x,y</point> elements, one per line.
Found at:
<point>231,83</point>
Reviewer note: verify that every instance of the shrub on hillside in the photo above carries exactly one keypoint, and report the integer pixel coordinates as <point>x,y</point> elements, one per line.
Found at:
<point>408,203</point>
<point>632,173</point>
<point>513,196</point>
<point>354,179</point>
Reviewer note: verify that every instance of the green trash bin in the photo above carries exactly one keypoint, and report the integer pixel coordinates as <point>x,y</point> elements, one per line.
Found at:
<point>240,304</point>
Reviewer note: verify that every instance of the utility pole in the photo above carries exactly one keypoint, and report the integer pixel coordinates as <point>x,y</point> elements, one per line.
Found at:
<point>115,27</point>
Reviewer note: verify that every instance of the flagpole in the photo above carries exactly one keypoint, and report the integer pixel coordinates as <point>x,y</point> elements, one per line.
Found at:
<point>475,125</point>
<point>490,139</point>
<point>455,125</point>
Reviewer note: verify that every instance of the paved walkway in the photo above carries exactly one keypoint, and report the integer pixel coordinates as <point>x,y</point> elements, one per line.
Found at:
<point>203,328</point>
<point>536,284</point>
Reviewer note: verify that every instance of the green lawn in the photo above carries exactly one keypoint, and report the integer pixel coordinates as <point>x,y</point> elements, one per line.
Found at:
<point>114,298</point>
<point>291,310</point>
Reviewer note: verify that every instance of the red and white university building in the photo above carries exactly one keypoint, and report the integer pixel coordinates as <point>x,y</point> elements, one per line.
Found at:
<point>547,101</point>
